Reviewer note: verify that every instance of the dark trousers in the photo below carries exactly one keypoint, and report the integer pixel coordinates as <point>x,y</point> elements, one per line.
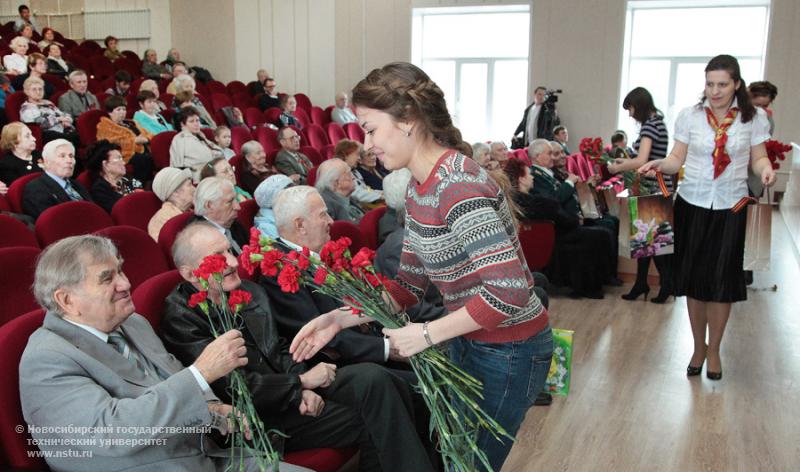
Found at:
<point>610,226</point>
<point>581,258</point>
<point>368,406</point>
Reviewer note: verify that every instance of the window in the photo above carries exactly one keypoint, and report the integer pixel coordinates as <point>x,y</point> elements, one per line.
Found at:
<point>479,58</point>
<point>669,43</point>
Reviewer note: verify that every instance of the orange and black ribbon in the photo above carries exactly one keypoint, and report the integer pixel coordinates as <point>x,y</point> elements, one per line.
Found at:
<point>743,203</point>
<point>662,185</point>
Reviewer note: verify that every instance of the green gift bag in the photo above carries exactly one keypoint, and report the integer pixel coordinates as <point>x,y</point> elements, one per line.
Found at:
<point>558,379</point>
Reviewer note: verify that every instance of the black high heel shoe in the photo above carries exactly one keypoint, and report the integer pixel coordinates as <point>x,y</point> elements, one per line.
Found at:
<point>692,371</point>
<point>635,292</point>
<point>714,375</point>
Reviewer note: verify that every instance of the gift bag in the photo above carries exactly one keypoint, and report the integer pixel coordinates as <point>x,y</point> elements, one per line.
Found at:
<point>610,201</point>
<point>558,379</point>
<point>758,238</point>
<point>645,226</point>
<point>586,198</point>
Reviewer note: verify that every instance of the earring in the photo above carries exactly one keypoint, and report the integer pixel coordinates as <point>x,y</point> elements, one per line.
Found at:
<point>408,134</point>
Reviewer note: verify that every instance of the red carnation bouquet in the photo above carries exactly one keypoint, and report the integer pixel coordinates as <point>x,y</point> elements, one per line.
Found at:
<point>448,391</point>
<point>246,419</point>
<point>592,149</point>
<point>776,152</point>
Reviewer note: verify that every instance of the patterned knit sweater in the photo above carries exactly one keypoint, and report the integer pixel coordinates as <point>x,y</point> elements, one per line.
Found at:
<point>460,236</point>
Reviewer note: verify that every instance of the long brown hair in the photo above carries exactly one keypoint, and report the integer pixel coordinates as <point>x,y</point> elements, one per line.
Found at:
<point>406,93</point>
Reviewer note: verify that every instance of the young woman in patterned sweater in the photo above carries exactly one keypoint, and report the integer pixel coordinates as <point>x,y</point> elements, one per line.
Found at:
<point>460,236</point>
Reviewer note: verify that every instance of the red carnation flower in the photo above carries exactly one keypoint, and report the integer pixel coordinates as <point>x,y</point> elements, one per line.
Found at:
<point>270,264</point>
<point>213,264</point>
<point>255,237</point>
<point>238,298</point>
<point>320,275</point>
<point>246,261</point>
<point>289,278</point>
<point>363,258</point>
<point>197,299</point>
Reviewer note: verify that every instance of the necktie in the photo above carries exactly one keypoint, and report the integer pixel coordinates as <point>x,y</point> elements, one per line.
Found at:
<point>234,245</point>
<point>71,192</point>
<point>84,100</point>
<point>119,342</point>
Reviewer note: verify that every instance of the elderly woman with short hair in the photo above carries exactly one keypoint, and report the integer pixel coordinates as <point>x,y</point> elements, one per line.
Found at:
<point>17,62</point>
<point>56,64</point>
<point>220,167</point>
<point>190,148</point>
<point>186,83</point>
<point>148,116</point>
<point>128,135</point>
<point>254,166</point>
<point>151,86</point>
<point>111,52</point>
<point>107,168</point>
<point>37,67</point>
<point>55,123</point>
<point>173,187</point>
<point>350,152</point>
<point>20,156</point>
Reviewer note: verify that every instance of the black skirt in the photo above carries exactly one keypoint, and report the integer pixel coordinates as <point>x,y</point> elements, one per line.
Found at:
<point>709,253</point>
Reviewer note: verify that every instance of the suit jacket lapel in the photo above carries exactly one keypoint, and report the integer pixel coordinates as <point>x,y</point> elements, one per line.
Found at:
<point>140,341</point>
<point>56,190</point>
<point>96,349</point>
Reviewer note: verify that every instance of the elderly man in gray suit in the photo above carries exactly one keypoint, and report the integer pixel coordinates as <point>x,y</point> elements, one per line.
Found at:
<point>336,185</point>
<point>98,389</point>
<point>290,160</point>
<point>78,99</point>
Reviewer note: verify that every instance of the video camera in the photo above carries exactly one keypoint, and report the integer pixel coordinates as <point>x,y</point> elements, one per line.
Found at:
<point>551,96</point>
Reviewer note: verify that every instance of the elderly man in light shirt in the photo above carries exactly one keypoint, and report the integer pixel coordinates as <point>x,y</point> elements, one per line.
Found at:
<point>342,114</point>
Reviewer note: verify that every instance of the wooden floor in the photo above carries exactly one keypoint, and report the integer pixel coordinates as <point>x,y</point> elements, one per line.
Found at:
<point>632,408</point>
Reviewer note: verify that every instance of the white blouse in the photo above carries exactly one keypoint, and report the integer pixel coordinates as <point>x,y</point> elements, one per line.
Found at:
<point>698,186</point>
<point>15,64</point>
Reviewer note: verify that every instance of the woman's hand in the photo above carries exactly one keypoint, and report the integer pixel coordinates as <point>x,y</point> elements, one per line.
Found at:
<point>614,167</point>
<point>651,167</point>
<point>407,340</point>
<point>321,375</point>
<point>768,176</point>
<point>315,335</point>
<point>141,140</point>
<point>3,188</point>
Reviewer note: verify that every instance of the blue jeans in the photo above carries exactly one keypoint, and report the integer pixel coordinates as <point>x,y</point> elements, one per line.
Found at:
<point>513,374</point>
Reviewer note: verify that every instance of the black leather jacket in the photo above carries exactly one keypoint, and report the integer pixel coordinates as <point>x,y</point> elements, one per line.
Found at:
<point>272,376</point>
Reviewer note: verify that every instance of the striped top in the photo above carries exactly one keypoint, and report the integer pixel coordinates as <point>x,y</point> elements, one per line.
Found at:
<point>460,236</point>
<point>655,129</point>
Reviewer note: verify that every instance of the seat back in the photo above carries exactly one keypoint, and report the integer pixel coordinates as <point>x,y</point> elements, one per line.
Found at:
<point>268,138</point>
<point>254,117</point>
<point>169,232</point>
<point>13,104</point>
<point>354,132</point>
<point>312,154</point>
<point>302,117</point>
<point>369,226</point>
<point>220,100</point>
<point>335,133</point>
<point>215,86</point>
<point>341,229</point>
<point>303,102</point>
<point>239,136</point>
<point>159,148</point>
<point>14,233</point>
<point>136,246</point>
<point>537,239</point>
<point>319,117</point>
<point>317,137</point>
<point>85,179</point>
<point>70,219</point>
<point>236,87</point>
<point>16,296</point>
<point>16,189</point>
<point>272,115</point>
<point>87,125</point>
<point>148,297</point>
<point>328,151</point>
<point>14,446</point>
<point>247,213</point>
<point>135,209</point>
<point>311,178</point>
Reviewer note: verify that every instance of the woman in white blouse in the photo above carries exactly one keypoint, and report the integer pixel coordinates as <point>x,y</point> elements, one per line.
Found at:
<point>716,140</point>
<point>17,63</point>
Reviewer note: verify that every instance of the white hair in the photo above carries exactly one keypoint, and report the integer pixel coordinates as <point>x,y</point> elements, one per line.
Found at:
<point>250,147</point>
<point>18,41</point>
<point>209,190</point>
<point>291,203</point>
<point>77,73</point>
<point>49,150</point>
<point>555,145</point>
<point>329,172</point>
<point>478,147</point>
<point>538,146</point>
<point>183,251</point>
<point>395,186</point>
<point>63,265</point>
<point>179,81</point>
